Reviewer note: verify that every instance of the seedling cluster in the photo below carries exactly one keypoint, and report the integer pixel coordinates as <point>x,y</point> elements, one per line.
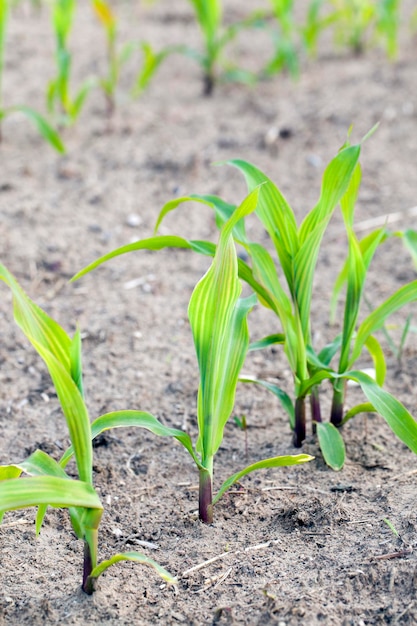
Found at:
<point>294,35</point>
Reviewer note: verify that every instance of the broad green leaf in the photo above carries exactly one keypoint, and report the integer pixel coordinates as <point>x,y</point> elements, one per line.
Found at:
<point>9,471</point>
<point>19,493</point>
<point>136,557</point>
<point>275,214</point>
<point>35,323</point>
<point>55,347</point>
<point>331,445</point>
<point>277,461</point>
<point>395,414</point>
<point>75,412</point>
<point>326,355</point>
<point>44,128</point>
<point>336,179</point>
<point>133,419</point>
<point>221,338</point>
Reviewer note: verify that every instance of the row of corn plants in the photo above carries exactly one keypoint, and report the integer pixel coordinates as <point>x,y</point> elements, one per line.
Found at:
<point>218,318</point>
<point>355,24</point>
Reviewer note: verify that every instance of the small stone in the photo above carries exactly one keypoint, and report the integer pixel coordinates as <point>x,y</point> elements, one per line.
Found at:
<point>133,220</point>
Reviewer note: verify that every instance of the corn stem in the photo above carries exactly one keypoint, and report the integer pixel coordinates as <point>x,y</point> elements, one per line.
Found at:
<point>300,422</point>
<point>205,496</point>
<point>336,415</point>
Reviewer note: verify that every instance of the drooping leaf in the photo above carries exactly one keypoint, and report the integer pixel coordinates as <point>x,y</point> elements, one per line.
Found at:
<point>136,557</point>
<point>278,461</point>
<point>19,493</point>
<point>42,125</point>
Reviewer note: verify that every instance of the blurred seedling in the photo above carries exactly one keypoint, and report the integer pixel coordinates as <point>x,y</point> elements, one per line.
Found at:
<point>218,320</point>
<point>47,483</point>
<point>60,100</point>
<point>116,59</point>
<point>216,36</point>
<point>42,125</point>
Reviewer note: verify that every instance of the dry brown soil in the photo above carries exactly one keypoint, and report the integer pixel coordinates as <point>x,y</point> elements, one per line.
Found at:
<point>290,546</point>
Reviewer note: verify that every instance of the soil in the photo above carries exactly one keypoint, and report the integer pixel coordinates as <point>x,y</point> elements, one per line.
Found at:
<point>288,546</point>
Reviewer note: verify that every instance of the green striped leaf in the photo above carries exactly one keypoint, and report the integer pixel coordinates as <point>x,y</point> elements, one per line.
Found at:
<point>283,397</point>
<point>20,493</point>
<point>135,419</point>
<point>277,461</point>
<point>61,357</point>
<point>275,214</point>
<point>221,338</point>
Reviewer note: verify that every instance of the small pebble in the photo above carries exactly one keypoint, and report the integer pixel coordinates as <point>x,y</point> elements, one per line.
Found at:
<point>133,220</point>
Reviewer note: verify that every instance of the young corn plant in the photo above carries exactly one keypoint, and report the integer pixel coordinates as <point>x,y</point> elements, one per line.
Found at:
<point>60,100</point>
<point>47,483</point>
<point>285,55</point>
<point>218,319</point>
<point>209,15</point>
<point>41,124</point>
<point>359,22</point>
<point>316,22</point>
<point>288,291</point>
<point>151,60</point>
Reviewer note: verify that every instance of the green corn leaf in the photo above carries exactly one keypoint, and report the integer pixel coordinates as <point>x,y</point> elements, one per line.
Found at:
<point>56,348</point>
<point>278,461</point>
<point>368,246</point>
<point>221,338</point>
<point>75,412</point>
<point>275,214</point>
<point>265,342</point>
<point>283,397</point>
<point>136,557</point>
<point>153,243</point>
<point>133,419</point>
<point>76,361</point>
<point>374,348</point>
<point>331,445</point>
<point>364,407</point>
<point>173,204</point>
<point>9,471</point>
<point>151,62</point>
<point>355,283</point>
<point>409,237</point>
<point>44,128</point>
<point>375,321</point>
<point>35,323</point>
<point>336,179</point>
<point>19,493</point>
<point>395,414</point>
<point>328,352</point>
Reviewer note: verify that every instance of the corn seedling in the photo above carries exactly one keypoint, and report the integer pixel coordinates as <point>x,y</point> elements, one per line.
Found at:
<point>59,90</point>
<point>41,124</point>
<point>285,55</point>
<point>151,60</point>
<point>47,483</point>
<point>218,319</point>
<point>315,24</point>
<point>209,16</point>
<point>297,250</point>
<point>360,21</point>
